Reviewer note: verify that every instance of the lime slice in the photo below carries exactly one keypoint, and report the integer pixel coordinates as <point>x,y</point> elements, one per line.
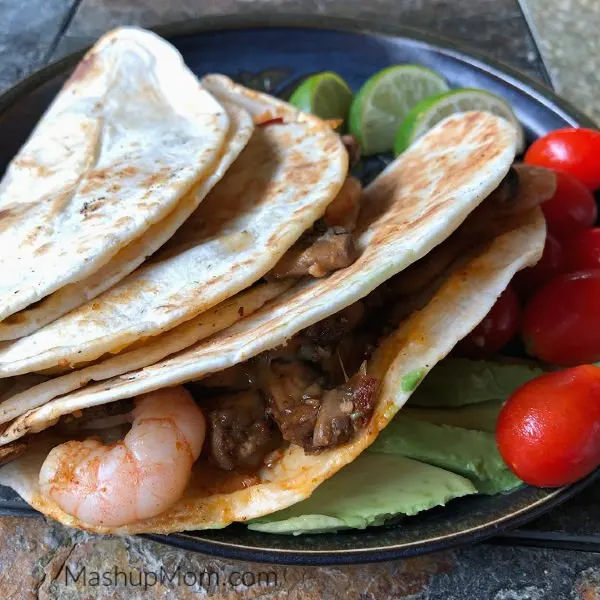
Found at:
<point>384,100</point>
<point>325,95</point>
<point>432,110</point>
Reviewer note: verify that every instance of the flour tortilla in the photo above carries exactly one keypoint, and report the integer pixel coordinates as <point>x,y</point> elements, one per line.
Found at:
<point>26,392</point>
<point>133,255</point>
<point>281,183</point>
<point>128,136</point>
<point>421,341</point>
<point>414,205</point>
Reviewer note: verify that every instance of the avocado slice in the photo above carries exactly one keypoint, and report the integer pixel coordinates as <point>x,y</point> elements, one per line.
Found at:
<point>472,454</point>
<point>460,381</point>
<point>480,417</point>
<point>369,491</point>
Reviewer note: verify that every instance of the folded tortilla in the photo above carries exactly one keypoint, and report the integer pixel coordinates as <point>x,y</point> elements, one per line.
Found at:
<point>416,203</point>
<point>280,184</point>
<point>133,255</point>
<point>27,392</point>
<point>421,341</point>
<point>128,136</point>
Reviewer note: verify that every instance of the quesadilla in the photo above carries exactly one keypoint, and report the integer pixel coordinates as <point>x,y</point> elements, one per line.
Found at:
<point>127,138</point>
<point>133,255</point>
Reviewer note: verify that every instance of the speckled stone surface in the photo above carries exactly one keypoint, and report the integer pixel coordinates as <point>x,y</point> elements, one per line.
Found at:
<point>44,560</point>
<point>568,35</point>
<point>28,34</point>
<point>40,559</point>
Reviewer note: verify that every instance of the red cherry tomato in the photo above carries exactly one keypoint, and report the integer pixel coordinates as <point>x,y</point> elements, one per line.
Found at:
<point>582,251</point>
<point>571,209</point>
<point>561,323</point>
<point>497,328</point>
<point>548,432</point>
<point>530,280</point>
<point>571,150</point>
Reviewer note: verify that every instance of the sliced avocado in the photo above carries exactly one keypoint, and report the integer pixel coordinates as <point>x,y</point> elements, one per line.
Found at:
<point>481,417</point>
<point>472,454</point>
<point>369,491</point>
<point>460,381</point>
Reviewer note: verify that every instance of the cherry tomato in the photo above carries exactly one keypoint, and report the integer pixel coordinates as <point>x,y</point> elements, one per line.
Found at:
<point>561,323</point>
<point>571,150</point>
<point>582,251</point>
<point>530,280</point>
<point>571,209</point>
<point>497,328</point>
<point>548,432</point>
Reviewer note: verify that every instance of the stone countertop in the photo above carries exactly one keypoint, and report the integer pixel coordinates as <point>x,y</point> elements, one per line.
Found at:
<point>40,559</point>
<point>567,34</point>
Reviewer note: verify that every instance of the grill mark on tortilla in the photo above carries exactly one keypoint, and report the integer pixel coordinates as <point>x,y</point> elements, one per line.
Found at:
<point>416,170</point>
<point>27,162</point>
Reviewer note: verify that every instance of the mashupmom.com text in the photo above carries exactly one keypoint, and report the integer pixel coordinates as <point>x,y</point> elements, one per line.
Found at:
<point>206,580</point>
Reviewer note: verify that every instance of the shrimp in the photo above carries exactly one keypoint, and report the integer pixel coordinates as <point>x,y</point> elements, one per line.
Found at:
<point>139,476</point>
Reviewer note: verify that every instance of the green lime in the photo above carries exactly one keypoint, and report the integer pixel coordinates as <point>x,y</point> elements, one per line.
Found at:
<point>432,110</point>
<point>384,100</point>
<point>325,95</point>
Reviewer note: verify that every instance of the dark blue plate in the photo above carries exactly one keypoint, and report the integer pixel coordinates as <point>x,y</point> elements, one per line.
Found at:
<point>275,56</point>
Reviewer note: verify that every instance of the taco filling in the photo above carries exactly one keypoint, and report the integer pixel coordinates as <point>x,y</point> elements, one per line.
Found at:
<point>315,392</point>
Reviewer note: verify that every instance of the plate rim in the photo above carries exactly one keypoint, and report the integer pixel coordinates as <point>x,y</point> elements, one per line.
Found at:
<point>480,533</point>
<point>512,76</point>
<point>520,80</point>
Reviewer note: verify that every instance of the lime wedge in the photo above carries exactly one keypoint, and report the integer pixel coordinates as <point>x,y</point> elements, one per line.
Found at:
<point>325,95</point>
<point>431,111</point>
<point>384,100</point>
